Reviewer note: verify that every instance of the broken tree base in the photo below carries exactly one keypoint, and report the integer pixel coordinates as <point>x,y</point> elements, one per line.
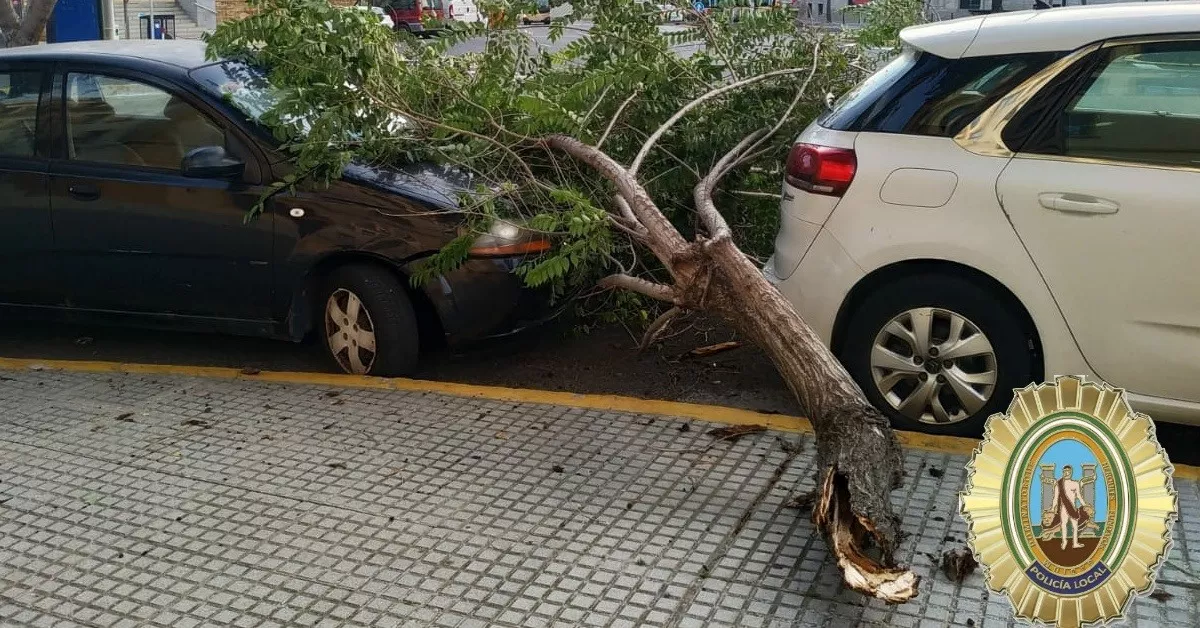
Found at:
<point>848,536</point>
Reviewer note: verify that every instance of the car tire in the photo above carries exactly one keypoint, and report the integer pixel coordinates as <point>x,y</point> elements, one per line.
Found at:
<point>385,322</point>
<point>525,22</point>
<point>887,322</point>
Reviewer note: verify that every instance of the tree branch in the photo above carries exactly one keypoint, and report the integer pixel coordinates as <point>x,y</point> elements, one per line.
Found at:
<point>771,195</point>
<point>791,106</point>
<point>622,225</point>
<point>712,219</point>
<point>659,291</point>
<point>658,327</point>
<point>627,214</point>
<point>711,39</point>
<point>702,194</point>
<point>616,116</point>
<point>434,123</point>
<point>666,126</point>
<point>661,236</point>
<point>595,105</point>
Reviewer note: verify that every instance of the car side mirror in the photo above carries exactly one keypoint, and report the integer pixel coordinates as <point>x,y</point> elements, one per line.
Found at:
<point>211,162</point>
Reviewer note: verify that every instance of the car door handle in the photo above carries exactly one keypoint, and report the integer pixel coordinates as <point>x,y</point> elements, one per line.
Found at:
<point>84,192</point>
<point>1077,203</point>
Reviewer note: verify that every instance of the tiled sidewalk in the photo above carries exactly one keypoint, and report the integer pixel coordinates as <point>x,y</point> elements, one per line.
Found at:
<point>131,500</point>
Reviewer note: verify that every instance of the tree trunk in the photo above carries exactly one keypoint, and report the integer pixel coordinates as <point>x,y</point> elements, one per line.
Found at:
<point>25,30</point>
<point>858,456</point>
<point>859,460</point>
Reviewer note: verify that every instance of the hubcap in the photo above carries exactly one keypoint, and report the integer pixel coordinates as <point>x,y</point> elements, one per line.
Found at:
<point>933,365</point>
<point>350,332</point>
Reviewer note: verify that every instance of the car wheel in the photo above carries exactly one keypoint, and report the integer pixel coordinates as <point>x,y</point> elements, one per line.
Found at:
<point>525,22</point>
<point>368,323</point>
<point>938,353</point>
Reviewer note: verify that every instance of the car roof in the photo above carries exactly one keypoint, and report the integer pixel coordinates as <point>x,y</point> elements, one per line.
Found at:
<point>186,54</point>
<point>1051,30</point>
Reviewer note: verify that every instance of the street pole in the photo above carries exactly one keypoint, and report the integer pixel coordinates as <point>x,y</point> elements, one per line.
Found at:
<point>151,19</point>
<point>109,29</point>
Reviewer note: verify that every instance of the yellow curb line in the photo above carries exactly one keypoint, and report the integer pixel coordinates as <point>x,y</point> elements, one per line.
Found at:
<point>618,403</point>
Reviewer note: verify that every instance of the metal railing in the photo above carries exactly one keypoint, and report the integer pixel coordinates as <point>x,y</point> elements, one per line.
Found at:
<point>205,24</point>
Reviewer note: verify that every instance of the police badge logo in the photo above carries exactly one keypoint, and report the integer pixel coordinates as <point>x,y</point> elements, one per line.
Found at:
<point>1069,503</point>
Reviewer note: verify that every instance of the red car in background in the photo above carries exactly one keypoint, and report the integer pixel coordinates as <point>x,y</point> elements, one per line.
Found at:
<point>410,15</point>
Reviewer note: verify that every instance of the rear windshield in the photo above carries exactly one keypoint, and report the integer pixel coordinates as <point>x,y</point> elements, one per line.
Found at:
<point>920,93</point>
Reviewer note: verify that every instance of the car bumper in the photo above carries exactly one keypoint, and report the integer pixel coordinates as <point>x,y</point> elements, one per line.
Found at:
<point>483,298</point>
<point>820,283</point>
<point>419,28</point>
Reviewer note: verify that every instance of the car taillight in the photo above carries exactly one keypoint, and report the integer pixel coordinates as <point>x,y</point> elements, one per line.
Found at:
<point>821,169</point>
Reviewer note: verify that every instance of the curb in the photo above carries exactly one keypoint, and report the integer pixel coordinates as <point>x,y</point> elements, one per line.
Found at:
<point>619,403</point>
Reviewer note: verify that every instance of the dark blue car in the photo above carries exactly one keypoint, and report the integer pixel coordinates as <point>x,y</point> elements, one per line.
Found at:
<point>126,173</point>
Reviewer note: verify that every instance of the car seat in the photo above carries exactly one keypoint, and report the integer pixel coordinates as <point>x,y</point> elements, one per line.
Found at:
<point>163,142</point>
<point>93,134</point>
<point>17,132</point>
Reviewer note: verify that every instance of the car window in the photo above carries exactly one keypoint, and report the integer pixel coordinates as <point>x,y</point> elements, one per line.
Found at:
<point>1140,104</point>
<point>921,93</point>
<point>1161,83</point>
<point>19,95</point>
<point>122,121</point>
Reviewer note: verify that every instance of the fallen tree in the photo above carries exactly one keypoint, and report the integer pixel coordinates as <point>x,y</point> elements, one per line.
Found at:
<point>615,145</point>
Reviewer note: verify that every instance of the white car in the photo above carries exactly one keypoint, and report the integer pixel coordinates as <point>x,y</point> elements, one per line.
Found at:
<point>465,11</point>
<point>1012,198</point>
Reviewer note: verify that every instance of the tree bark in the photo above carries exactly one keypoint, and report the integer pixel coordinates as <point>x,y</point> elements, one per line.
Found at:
<point>10,22</point>
<point>26,29</point>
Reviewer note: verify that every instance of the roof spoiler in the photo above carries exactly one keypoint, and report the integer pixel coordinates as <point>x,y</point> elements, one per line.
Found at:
<point>949,39</point>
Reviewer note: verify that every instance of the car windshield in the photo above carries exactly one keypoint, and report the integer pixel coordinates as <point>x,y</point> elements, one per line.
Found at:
<point>244,86</point>
<point>250,91</point>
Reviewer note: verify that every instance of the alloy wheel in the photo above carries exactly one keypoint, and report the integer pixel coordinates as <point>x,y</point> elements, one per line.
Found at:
<point>933,365</point>
<point>350,332</point>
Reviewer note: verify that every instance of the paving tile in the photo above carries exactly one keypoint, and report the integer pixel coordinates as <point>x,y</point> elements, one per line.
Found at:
<point>147,500</point>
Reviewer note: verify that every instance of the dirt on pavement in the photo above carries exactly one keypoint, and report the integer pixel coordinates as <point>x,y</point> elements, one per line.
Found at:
<point>606,360</point>
<point>553,357</point>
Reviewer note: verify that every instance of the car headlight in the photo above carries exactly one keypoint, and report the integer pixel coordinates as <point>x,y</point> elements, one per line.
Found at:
<point>506,239</point>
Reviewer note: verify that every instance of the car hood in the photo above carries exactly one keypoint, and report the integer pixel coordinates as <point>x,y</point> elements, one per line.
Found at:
<point>434,184</point>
